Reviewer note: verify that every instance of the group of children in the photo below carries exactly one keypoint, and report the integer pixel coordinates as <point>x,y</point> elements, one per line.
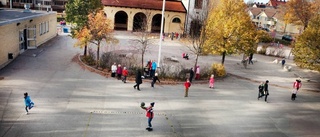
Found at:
<point>119,72</point>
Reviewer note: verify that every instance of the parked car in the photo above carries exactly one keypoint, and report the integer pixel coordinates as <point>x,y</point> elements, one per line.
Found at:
<point>287,37</point>
<point>266,29</point>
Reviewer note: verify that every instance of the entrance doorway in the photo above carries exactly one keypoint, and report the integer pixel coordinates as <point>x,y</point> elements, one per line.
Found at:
<point>121,21</point>
<point>139,22</point>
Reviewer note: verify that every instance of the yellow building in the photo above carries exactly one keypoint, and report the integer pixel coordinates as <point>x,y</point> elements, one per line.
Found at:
<point>24,29</point>
<point>131,14</point>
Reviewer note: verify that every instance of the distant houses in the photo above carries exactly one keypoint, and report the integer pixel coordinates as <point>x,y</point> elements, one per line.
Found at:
<point>270,16</point>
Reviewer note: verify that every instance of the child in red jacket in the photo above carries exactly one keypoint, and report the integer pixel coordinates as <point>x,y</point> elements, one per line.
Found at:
<point>187,85</point>
<point>149,114</point>
<point>124,74</point>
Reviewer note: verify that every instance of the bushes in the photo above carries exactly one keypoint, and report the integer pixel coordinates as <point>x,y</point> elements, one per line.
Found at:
<point>107,59</point>
<point>218,70</point>
<point>177,72</point>
<point>90,59</point>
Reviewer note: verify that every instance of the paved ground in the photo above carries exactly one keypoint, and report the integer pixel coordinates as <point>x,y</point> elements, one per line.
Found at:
<point>71,101</point>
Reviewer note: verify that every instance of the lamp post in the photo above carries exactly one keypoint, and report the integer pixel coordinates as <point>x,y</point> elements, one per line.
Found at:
<point>161,31</point>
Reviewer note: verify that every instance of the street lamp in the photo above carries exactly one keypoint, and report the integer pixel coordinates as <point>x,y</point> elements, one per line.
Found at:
<point>161,31</point>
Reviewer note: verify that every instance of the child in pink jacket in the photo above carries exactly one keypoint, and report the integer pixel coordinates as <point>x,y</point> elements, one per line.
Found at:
<point>211,81</point>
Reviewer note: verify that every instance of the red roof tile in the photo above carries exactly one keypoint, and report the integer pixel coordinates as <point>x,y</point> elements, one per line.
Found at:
<point>175,6</point>
<point>276,3</point>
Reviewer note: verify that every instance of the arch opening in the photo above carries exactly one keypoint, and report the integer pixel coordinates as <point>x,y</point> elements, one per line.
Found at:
<point>121,21</point>
<point>156,23</point>
<point>140,22</point>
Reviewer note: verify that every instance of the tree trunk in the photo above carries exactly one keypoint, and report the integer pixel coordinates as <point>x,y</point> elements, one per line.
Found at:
<point>223,57</point>
<point>142,56</point>
<point>195,65</point>
<point>85,50</point>
<point>98,54</point>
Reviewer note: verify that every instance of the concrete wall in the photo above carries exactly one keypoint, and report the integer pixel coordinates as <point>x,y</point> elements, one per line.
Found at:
<point>169,16</point>
<point>10,35</point>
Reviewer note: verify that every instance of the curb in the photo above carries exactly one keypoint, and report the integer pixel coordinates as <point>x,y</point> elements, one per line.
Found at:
<point>77,59</point>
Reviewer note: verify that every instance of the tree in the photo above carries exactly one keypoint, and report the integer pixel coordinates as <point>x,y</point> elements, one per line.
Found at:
<point>306,49</point>
<point>300,12</point>
<point>229,30</point>
<point>77,13</point>
<point>143,38</point>
<point>98,29</point>
<point>197,33</point>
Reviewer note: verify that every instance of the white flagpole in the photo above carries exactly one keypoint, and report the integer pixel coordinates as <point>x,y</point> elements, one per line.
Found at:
<point>161,31</point>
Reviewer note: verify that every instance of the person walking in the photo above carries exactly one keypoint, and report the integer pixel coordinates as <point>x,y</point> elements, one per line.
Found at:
<point>187,85</point>
<point>296,86</point>
<point>197,73</point>
<point>119,72</point>
<point>266,90</point>
<point>113,70</point>
<point>124,74</point>
<point>211,81</point>
<point>261,89</point>
<point>283,61</point>
<point>191,75</point>
<point>172,35</point>
<point>149,115</point>
<point>154,79</point>
<point>28,103</point>
<point>250,58</point>
<point>138,80</point>
<point>153,68</point>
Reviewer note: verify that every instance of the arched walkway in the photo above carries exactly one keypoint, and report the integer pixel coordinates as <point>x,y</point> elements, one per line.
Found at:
<point>139,22</point>
<point>156,23</point>
<point>121,21</point>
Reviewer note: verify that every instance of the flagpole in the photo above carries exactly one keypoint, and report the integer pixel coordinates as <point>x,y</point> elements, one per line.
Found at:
<point>161,31</point>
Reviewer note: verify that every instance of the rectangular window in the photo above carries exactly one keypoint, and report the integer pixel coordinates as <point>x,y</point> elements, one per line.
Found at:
<point>40,29</point>
<point>47,26</point>
<point>43,27</point>
<point>198,4</point>
<point>47,3</point>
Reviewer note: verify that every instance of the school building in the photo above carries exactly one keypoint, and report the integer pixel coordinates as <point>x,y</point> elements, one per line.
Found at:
<point>21,30</point>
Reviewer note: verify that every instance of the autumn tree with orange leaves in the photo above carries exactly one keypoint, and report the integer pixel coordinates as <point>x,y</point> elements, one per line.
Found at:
<point>99,29</point>
<point>300,12</point>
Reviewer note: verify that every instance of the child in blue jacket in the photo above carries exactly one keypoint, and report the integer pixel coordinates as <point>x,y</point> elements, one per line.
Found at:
<point>29,104</point>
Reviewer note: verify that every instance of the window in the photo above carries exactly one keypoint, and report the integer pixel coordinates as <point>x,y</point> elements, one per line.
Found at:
<point>47,3</point>
<point>198,4</point>
<point>176,20</point>
<point>43,27</point>
<point>47,26</point>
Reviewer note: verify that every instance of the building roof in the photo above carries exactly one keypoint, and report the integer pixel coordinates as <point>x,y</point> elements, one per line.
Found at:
<point>175,6</point>
<point>8,16</point>
<point>269,12</point>
<point>255,11</point>
<point>276,3</point>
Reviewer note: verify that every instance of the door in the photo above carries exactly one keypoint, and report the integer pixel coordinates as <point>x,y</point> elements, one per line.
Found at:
<point>31,31</point>
<point>22,40</point>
